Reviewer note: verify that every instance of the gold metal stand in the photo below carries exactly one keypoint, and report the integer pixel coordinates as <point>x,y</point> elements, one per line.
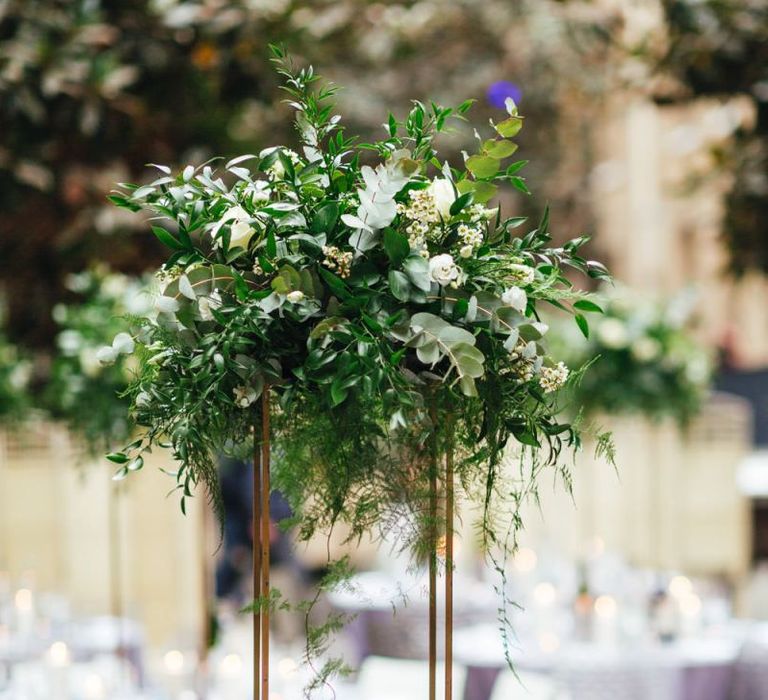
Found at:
<point>261,538</point>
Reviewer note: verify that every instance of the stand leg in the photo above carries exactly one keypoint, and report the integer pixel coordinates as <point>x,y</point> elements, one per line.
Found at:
<point>265,537</point>
<point>433,582</point>
<point>256,524</point>
<point>449,503</point>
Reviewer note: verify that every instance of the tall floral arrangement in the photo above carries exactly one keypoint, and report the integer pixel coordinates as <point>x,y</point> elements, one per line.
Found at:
<point>88,380</point>
<point>646,359</point>
<point>389,311</point>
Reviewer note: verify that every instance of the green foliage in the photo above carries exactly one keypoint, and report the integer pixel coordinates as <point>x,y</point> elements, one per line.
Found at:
<point>83,390</point>
<point>389,316</point>
<point>15,375</point>
<point>719,48</point>
<point>644,357</point>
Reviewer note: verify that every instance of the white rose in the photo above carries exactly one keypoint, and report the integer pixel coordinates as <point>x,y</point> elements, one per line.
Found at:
<point>443,270</point>
<point>244,396</point>
<point>466,251</point>
<point>206,304</point>
<point>295,297</point>
<point>240,233</point>
<point>516,298</point>
<point>259,192</point>
<point>444,196</point>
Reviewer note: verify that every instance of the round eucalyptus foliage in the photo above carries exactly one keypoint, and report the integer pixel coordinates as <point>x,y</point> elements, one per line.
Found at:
<point>389,310</point>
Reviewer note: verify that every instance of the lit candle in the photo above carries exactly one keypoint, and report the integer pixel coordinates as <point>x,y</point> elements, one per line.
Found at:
<point>231,677</point>
<point>690,614</point>
<point>605,627</point>
<point>94,688</point>
<point>24,608</point>
<point>290,680</point>
<point>59,663</point>
<point>174,663</point>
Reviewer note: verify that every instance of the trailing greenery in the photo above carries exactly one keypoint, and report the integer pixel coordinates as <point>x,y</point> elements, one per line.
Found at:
<point>387,312</point>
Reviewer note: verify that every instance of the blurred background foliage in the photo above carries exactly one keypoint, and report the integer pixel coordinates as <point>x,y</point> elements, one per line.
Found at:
<point>719,48</point>
<point>92,89</point>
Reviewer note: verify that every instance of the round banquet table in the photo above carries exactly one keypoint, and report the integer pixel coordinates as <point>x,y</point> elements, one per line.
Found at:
<point>695,669</point>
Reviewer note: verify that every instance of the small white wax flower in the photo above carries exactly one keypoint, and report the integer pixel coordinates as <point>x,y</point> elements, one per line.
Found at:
<point>166,305</point>
<point>553,378</point>
<point>442,192</point>
<point>443,270</point>
<point>466,251</point>
<point>524,274</point>
<point>516,298</point>
<point>107,355</point>
<point>295,297</point>
<point>244,396</point>
<point>123,343</point>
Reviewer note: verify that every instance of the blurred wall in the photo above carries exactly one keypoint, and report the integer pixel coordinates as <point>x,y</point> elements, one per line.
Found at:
<point>57,531</point>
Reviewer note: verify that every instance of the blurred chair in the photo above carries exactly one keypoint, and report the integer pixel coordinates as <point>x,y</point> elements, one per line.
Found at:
<point>527,686</point>
<point>629,680</point>
<point>750,674</point>
<point>402,679</point>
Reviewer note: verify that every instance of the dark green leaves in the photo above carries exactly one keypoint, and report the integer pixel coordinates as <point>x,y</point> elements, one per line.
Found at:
<point>461,202</point>
<point>325,219</point>
<point>586,305</point>
<point>167,238</point>
<point>583,324</point>
<point>396,246</point>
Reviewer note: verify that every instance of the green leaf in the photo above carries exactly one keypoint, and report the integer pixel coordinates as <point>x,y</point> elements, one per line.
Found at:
<point>499,149</point>
<point>117,457</point>
<point>484,191</point>
<point>586,305</point>
<point>271,246</point>
<point>583,324</point>
<point>396,245</point>
<point>392,123</point>
<point>509,127</point>
<point>399,285</point>
<point>135,464</point>
<point>339,392</point>
<point>167,239</point>
<point>460,202</point>
<point>519,184</point>
<point>467,385</point>
<point>516,167</point>
<point>417,269</point>
<point>336,284</point>
<point>483,166</point>
<point>325,218</point>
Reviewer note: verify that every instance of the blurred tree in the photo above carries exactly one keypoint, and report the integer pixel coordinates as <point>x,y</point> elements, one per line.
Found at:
<point>719,48</point>
<point>90,89</point>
